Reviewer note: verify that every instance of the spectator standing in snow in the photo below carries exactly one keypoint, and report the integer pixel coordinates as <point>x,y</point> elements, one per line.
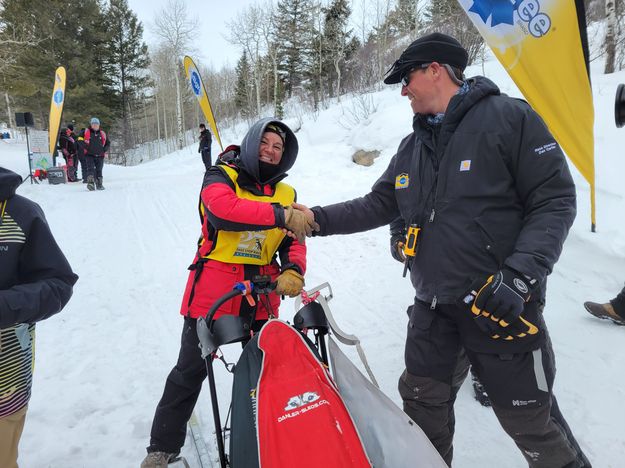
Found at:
<point>613,310</point>
<point>67,143</point>
<point>80,151</point>
<point>243,206</point>
<point>205,146</point>
<point>490,190</point>
<point>35,283</point>
<point>96,144</point>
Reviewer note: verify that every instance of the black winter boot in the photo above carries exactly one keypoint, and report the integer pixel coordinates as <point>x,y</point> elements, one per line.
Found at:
<point>90,183</point>
<point>98,184</point>
<point>604,311</point>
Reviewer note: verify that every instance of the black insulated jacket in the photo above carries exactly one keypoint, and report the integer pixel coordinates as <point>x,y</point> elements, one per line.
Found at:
<point>489,187</point>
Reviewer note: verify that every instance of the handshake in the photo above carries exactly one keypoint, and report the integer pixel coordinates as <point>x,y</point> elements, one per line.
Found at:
<point>299,221</point>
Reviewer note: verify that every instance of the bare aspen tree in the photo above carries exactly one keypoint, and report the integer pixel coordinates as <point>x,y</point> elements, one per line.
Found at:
<point>609,43</point>
<point>267,29</point>
<point>246,31</point>
<point>175,28</point>
<point>9,110</point>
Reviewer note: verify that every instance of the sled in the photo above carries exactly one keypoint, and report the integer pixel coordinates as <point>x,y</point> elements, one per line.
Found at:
<point>287,409</point>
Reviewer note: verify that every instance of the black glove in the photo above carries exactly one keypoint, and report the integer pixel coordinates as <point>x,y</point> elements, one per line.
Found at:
<point>397,246</point>
<point>499,303</point>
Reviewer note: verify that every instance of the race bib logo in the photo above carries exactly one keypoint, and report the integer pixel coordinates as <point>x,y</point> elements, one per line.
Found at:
<point>251,244</point>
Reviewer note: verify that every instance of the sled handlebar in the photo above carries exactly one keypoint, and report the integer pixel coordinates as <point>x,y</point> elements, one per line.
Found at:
<point>260,284</point>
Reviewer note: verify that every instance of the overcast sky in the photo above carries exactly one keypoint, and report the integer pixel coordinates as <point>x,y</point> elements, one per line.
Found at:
<point>212,15</point>
<point>213,49</point>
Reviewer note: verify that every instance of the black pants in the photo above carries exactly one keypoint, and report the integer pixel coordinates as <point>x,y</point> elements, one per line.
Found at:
<point>619,303</point>
<point>206,158</point>
<point>83,166</point>
<point>182,389</point>
<point>518,377</point>
<point>71,160</point>
<point>94,165</point>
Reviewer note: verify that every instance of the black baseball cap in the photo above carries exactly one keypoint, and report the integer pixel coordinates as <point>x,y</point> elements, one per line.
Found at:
<point>434,47</point>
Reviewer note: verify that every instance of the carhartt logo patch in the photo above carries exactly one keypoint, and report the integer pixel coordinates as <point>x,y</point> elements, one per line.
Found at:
<point>402,181</point>
<point>465,165</point>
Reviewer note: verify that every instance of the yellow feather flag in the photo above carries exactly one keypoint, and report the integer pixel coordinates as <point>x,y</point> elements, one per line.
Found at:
<point>197,86</point>
<point>56,108</point>
<point>544,48</point>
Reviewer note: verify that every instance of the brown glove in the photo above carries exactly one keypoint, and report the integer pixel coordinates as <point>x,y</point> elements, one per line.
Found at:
<point>290,283</point>
<point>298,223</point>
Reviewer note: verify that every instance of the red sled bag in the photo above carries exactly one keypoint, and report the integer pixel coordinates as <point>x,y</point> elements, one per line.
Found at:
<point>301,419</point>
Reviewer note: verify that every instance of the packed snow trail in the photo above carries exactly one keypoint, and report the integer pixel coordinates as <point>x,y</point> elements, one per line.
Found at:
<point>101,364</point>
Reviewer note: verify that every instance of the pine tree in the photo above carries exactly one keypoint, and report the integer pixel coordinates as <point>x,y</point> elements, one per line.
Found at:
<point>69,33</point>
<point>294,38</point>
<point>242,96</point>
<point>447,16</point>
<point>336,41</point>
<point>126,61</point>
<point>404,19</point>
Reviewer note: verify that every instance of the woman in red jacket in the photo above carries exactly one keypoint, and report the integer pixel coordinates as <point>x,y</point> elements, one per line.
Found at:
<point>243,207</point>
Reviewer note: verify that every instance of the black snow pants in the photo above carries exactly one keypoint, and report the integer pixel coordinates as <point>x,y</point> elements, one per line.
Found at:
<point>182,389</point>
<point>94,165</point>
<point>206,158</point>
<point>518,376</point>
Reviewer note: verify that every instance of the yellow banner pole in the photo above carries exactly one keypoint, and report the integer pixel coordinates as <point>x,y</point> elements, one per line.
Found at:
<point>56,109</point>
<point>197,86</point>
<point>542,45</point>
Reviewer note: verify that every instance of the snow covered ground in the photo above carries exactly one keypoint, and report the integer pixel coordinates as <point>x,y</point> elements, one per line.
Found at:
<point>102,362</point>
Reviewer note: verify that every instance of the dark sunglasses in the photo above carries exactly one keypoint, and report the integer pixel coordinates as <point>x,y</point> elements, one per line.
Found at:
<point>405,79</point>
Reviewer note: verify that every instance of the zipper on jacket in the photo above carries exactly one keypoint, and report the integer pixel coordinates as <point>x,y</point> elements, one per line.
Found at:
<point>432,214</point>
<point>434,302</point>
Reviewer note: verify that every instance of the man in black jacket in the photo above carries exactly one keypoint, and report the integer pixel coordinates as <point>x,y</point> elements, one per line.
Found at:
<point>487,189</point>
<point>35,283</point>
<point>96,145</point>
<point>205,146</point>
